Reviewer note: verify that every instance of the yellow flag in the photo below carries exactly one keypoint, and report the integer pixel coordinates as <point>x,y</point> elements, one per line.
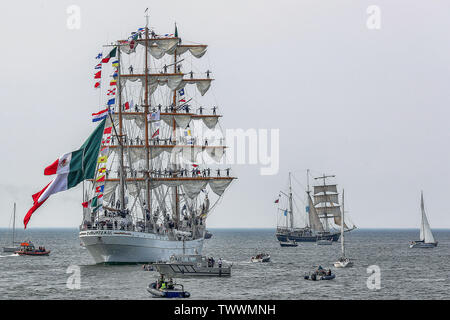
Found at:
<point>101,170</point>
<point>102,159</point>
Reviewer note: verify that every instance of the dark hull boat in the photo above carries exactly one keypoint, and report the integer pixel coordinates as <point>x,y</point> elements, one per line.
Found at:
<point>289,244</point>
<point>208,235</point>
<point>33,253</point>
<point>314,277</point>
<point>320,274</point>
<point>305,236</point>
<point>168,293</point>
<point>422,244</point>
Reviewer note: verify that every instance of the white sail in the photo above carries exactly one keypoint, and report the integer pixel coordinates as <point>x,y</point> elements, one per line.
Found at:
<point>314,220</point>
<point>425,230</point>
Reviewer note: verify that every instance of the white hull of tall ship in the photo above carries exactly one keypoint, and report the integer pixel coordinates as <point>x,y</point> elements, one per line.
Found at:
<point>117,246</point>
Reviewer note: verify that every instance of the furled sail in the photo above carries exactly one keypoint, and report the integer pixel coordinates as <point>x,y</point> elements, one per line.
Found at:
<point>174,81</point>
<point>323,198</point>
<point>327,188</point>
<point>330,211</point>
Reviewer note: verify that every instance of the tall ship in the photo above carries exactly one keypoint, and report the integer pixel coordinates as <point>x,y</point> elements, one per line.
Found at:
<point>321,218</point>
<point>161,173</point>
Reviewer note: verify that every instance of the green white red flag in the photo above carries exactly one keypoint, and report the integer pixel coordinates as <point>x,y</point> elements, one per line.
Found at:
<point>70,169</point>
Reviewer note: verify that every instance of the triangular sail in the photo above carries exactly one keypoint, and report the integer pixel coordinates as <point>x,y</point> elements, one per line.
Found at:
<point>425,230</point>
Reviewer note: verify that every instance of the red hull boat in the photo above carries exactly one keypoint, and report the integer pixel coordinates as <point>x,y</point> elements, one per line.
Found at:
<point>28,249</point>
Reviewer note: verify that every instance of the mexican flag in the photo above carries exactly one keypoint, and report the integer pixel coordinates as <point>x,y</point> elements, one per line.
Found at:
<point>70,169</point>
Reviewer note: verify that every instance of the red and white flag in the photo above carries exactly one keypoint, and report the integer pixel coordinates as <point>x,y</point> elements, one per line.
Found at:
<point>155,134</point>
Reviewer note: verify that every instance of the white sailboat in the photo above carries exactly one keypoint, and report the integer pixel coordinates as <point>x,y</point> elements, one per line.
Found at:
<point>13,246</point>
<point>426,237</point>
<point>343,261</point>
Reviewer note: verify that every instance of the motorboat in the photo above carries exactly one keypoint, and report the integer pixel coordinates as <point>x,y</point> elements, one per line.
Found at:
<point>291,243</point>
<point>320,274</point>
<point>343,263</point>
<point>167,289</point>
<point>261,257</point>
<point>193,265</point>
<point>27,249</point>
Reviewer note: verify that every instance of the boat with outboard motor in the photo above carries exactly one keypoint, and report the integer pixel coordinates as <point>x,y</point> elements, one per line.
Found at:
<point>27,249</point>
<point>261,257</point>
<point>289,243</point>
<point>167,289</point>
<point>193,265</point>
<point>320,274</point>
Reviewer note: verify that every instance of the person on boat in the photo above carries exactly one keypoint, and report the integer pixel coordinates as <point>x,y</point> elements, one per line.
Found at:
<point>329,272</point>
<point>160,282</point>
<point>219,263</point>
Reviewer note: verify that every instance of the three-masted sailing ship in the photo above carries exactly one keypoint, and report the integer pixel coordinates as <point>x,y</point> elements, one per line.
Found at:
<point>161,183</point>
<point>322,214</point>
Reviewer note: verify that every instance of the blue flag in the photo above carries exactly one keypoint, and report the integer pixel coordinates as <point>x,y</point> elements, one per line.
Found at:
<point>99,56</point>
<point>285,212</point>
<point>111,101</point>
<point>307,209</point>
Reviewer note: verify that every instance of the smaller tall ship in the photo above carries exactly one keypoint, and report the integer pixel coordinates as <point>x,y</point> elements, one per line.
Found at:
<point>426,237</point>
<point>321,218</point>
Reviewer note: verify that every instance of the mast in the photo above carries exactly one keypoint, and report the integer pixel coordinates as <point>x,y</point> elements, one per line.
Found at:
<point>342,226</point>
<point>146,112</point>
<point>14,224</point>
<point>291,214</point>
<point>120,138</point>
<point>176,217</point>
<point>422,224</point>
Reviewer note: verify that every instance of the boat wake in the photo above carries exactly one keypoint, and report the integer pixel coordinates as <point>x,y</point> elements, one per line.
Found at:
<point>10,255</point>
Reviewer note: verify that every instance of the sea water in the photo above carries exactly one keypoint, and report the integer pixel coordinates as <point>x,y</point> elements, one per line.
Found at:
<point>69,272</point>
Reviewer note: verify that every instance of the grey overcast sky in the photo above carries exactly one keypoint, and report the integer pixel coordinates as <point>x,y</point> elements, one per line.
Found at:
<point>371,106</point>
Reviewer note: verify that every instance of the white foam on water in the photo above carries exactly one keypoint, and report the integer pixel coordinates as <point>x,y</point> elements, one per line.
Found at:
<point>10,255</point>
